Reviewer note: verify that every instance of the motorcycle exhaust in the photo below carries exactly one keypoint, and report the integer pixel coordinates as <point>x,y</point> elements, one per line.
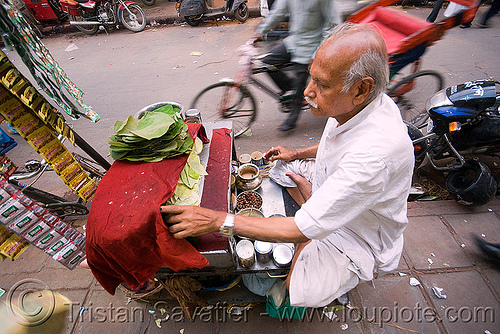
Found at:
<point>84,23</point>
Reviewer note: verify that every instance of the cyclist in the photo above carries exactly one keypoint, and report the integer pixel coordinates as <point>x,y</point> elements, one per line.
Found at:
<point>309,22</point>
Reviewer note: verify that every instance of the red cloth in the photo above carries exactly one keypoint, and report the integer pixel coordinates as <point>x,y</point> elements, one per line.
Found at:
<point>216,187</point>
<point>127,240</point>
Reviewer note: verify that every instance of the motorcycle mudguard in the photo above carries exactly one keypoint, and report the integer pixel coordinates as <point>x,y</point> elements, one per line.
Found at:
<point>237,3</point>
<point>192,8</point>
<point>127,3</point>
<point>121,8</point>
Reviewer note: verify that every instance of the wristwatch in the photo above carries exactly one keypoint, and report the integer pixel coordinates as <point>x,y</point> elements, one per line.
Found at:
<point>227,229</point>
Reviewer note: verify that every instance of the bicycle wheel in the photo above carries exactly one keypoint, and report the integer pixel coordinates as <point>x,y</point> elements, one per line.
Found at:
<point>412,92</point>
<point>226,101</point>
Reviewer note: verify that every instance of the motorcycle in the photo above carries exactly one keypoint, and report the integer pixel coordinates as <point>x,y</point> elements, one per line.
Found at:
<point>464,121</point>
<point>87,16</point>
<point>194,10</point>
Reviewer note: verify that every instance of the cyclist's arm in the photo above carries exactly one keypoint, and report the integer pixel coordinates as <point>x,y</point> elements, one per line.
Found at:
<point>276,15</point>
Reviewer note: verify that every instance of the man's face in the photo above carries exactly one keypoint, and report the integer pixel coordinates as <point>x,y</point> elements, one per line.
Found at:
<point>325,87</point>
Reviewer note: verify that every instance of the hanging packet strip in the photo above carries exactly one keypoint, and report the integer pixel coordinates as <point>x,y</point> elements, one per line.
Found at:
<point>49,76</point>
<point>43,140</point>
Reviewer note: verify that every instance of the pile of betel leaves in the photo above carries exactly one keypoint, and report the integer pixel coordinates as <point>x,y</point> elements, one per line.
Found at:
<point>157,135</point>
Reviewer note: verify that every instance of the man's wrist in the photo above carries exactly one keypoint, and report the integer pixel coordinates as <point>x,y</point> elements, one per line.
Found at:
<point>227,228</point>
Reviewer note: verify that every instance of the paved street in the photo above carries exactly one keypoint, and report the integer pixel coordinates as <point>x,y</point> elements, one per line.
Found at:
<point>122,72</point>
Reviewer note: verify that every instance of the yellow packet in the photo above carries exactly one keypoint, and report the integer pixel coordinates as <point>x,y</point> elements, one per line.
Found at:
<point>79,181</point>
<point>88,190</point>
<point>10,78</point>
<point>4,234</point>
<point>40,137</point>
<point>12,109</point>
<point>27,124</point>
<point>52,150</point>
<point>63,161</point>
<point>70,172</point>
<point>13,247</point>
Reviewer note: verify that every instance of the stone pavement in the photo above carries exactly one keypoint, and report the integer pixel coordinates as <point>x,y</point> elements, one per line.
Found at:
<point>438,253</point>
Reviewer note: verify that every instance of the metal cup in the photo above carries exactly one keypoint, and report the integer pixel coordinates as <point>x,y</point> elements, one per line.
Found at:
<point>245,158</point>
<point>246,253</point>
<point>263,251</point>
<point>192,116</point>
<point>257,158</point>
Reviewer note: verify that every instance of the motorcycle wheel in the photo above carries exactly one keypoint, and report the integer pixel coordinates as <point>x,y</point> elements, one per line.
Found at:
<point>136,21</point>
<point>241,13</point>
<point>193,21</point>
<point>241,108</point>
<point>412,92</point>
<point>89,30</point>
<point>149,2</point>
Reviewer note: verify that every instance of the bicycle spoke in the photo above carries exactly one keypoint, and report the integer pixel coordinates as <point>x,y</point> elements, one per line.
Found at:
<point>225,101</point>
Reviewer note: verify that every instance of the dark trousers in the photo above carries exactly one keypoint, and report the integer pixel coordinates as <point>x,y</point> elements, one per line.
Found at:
<point>296,80</point>
<point>495,8</point>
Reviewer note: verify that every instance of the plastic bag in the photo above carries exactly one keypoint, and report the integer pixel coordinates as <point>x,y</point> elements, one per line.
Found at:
<point>6,142</point>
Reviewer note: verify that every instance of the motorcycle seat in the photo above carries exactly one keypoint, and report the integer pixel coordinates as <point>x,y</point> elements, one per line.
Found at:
<point>82,1</point>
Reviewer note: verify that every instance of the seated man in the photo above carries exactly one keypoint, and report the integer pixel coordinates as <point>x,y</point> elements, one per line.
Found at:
<point>352,187</point>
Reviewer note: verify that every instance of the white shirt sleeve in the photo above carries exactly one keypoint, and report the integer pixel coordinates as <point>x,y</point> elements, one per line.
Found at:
<point>350,191</point>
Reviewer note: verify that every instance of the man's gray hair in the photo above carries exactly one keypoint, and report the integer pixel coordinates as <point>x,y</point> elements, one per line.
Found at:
<point>371,64</point>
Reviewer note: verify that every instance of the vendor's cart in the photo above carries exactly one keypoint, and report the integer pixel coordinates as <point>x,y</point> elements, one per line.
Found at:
<point>221,278</point>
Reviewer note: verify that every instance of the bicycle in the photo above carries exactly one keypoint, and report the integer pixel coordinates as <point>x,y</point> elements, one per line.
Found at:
<point>235,101</point>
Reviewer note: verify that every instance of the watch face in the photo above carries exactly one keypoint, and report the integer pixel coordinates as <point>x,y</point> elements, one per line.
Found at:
<point>226,231</point>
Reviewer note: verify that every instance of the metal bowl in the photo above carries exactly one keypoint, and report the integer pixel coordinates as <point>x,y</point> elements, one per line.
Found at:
<point>247,193</point>
<point>251,212</point>
<point>248,177</point>
<point>157,105</point>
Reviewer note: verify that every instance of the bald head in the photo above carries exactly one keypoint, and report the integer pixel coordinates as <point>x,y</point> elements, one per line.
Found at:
<point>356,51</point>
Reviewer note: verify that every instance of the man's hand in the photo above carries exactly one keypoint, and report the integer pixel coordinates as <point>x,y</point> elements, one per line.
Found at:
<point>304,186</point>
<point>281,153</point>
<point>191,221</point>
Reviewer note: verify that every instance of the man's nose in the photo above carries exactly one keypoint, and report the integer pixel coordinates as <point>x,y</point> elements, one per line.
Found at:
<point>309,91</point>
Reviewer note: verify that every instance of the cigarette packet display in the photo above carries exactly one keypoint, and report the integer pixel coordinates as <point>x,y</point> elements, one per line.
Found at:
<point>10,210</point>
<point>23,222</point>
<point>48,240</point>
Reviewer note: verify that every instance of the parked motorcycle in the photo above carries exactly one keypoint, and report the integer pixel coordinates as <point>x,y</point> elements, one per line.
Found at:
<point>464,120</point>
<point>88,15</point>
<point>194,10</point>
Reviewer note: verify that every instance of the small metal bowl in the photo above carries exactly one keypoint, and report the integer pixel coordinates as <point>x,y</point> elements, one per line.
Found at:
<point>251,212</point>
<point>244,194</point>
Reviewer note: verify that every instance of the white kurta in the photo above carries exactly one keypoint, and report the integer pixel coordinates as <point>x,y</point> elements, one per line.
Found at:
<point>361,179</point>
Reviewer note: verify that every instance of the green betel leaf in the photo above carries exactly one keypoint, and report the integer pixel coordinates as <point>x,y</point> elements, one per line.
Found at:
<point>167,109</point>
<point>126,127</point>
<point>193,175</point>
<point>196,166</point>
<point>198,146</point>
<point>153,125</point>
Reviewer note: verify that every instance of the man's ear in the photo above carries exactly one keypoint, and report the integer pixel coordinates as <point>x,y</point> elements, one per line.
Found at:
<point>364,87</point>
